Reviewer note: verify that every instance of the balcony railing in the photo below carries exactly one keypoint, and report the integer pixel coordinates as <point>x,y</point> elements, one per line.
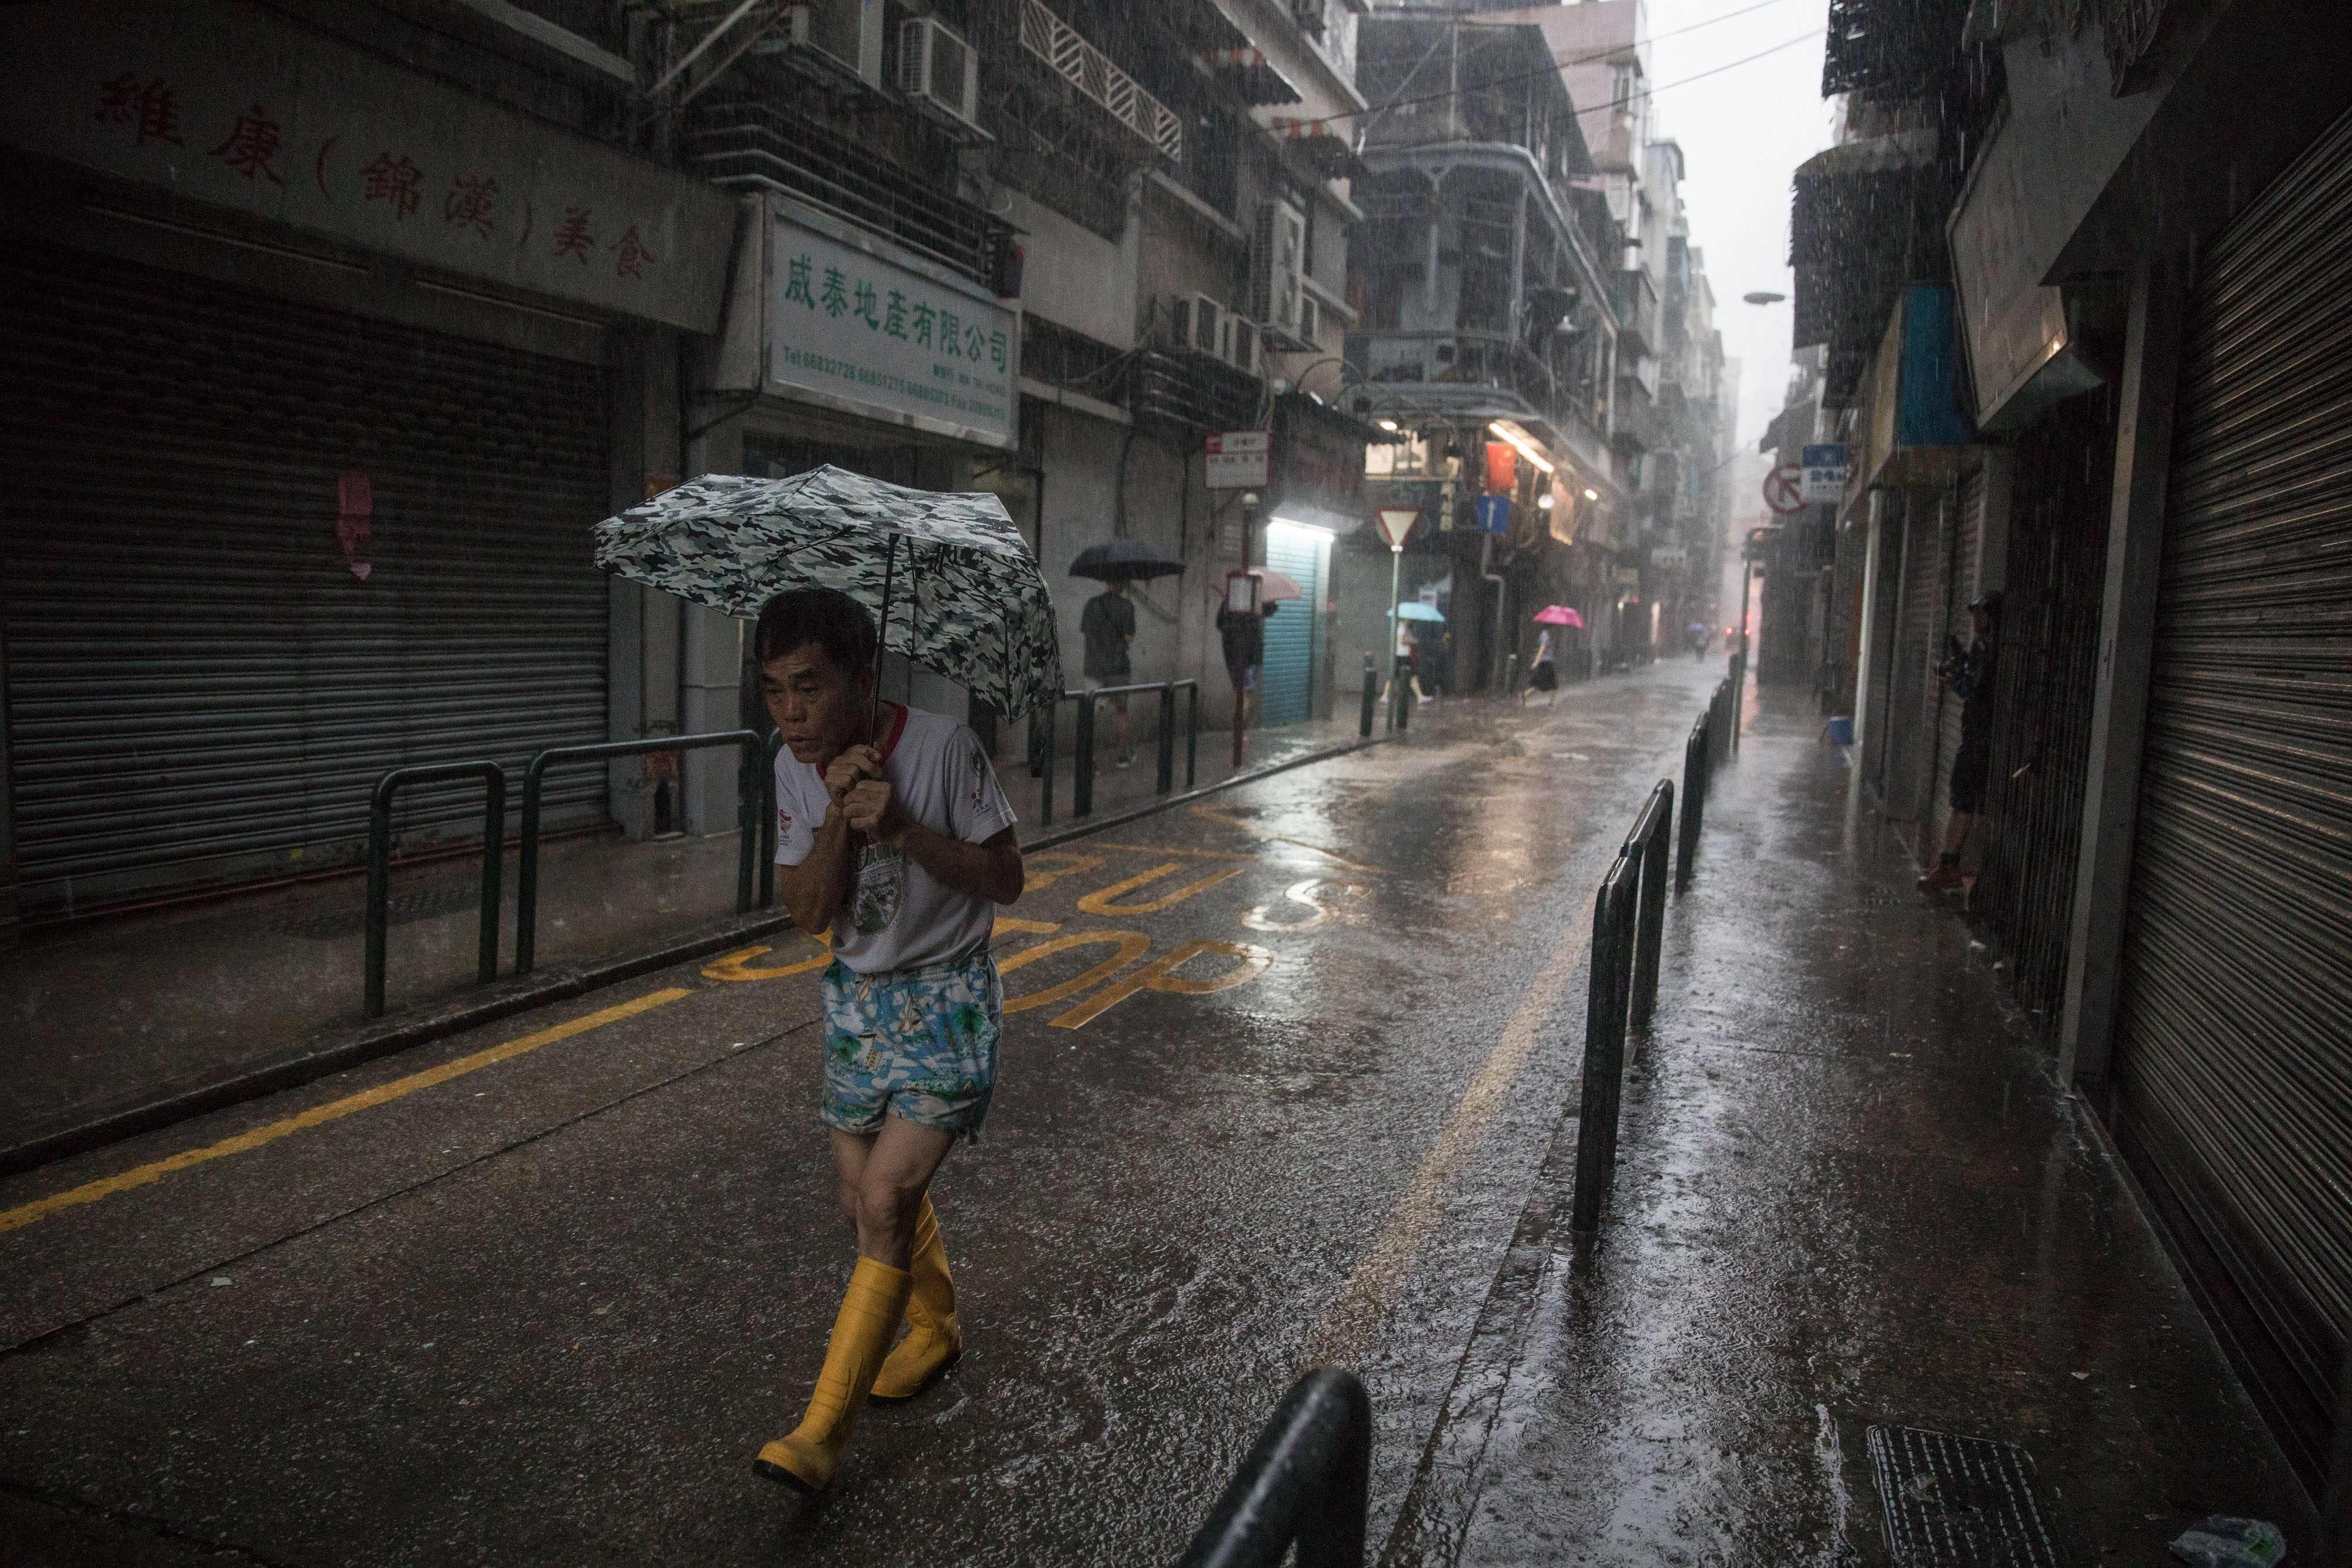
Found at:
<point>768,146</point>
<point>1086,68</point>
<point>1637,311</point>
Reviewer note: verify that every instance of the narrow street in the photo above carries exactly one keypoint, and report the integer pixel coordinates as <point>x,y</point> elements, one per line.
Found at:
<point>1279,1072</point>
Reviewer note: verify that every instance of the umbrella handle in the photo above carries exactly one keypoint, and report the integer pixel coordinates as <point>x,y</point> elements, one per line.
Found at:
<point>881,638</point>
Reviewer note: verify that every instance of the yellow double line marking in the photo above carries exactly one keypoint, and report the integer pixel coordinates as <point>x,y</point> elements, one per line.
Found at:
<point>335,1110</point>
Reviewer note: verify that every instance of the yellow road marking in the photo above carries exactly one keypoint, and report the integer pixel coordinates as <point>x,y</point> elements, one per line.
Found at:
<point>1131,946</point>
<point>1227,819</point>
<point>1163,849</point>
<point>1035,880</point>
<point>736,967</point>
<point>1347,1328</point>
<point>1159,975</point>
<point>1013,923</point>
<point>335,1110</point>
<point>1102,901</point>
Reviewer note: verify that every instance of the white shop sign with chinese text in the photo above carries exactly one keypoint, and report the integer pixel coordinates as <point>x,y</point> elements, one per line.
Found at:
<point>228,105</point>
<point>1238,459</point>
<point>854,328</point>
<point>1826,473</point>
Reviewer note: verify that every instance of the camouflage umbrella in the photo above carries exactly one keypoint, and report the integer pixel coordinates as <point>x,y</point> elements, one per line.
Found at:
<point>948,576</point>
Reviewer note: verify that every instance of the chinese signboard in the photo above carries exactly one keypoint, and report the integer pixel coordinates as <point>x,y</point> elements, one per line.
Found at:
<point>1238,460</point>
<point>1825,472</point>
<point>852,327</point>
<point>222,103</point>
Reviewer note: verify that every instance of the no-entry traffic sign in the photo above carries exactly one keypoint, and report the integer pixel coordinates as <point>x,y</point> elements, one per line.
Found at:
<point>1784,489</point>
<point>1396,524</point>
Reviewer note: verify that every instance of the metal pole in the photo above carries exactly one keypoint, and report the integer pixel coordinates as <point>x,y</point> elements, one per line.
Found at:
<point>534,776</point>
<point>1045,773</point>
<point>1081,766</point>
<point>1604,1048</point>
<point>768,821</point>
<point>1306,1481</point>
<point>379,896</point>
<point>1396,571</point>
<point>1654,828</point>
<point>1167,779</point>
<point>1371,696</point>
<point>747,826</point>
<point>1510,676</point>
<point>494,851</point>
<point>1191,732</point>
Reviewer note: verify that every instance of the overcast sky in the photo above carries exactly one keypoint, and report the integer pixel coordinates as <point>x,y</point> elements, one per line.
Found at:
<point>1743,131</point>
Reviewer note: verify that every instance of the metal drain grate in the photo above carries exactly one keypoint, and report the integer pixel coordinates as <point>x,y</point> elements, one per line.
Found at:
<point>1959,1503</point>
<point>336,924</point>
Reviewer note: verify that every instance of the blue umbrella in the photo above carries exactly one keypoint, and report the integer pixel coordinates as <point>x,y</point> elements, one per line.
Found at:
<point>1414,610</point>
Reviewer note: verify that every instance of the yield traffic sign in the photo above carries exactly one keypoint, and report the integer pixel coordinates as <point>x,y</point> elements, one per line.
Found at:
<point>1396,524</point>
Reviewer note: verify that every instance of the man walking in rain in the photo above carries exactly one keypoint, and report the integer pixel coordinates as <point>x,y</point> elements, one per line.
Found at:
<point>895,838</point>
<point>1108,627</point>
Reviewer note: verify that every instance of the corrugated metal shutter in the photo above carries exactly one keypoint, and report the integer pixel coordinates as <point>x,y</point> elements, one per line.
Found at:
<point>1909,738</point>
<point>1288,675</point>
<point>1885,609</point>
<point>2031,833</point>
<point>1966,559</point>
<point>201,688</point>
<point>2233,1075</point>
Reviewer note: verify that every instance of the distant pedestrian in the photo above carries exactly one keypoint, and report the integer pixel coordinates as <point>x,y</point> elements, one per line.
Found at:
<point>1243,632</point>
<point>895,843</point>
<point>1698,640</point>
<point>1968,672</point>
<point>1108,627</point>
<point>1408,659</point>
<point>1542,676</point>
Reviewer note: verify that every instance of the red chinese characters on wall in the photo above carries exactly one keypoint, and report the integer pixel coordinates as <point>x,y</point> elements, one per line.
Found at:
<point>630,256</point>
<point>392,180</point>
<point>472,203</point>
<point>573,237</point>
<point>154,109</point>
<point>252,146</point>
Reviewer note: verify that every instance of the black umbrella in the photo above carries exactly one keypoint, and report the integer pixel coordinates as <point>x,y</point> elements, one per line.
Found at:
<point>1122,560</point>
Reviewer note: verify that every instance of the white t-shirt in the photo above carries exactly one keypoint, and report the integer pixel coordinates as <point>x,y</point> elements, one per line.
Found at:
<point>898,916</point>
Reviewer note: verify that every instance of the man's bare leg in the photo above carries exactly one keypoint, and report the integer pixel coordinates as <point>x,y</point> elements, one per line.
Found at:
<point>1946,872</point>
<point>884,1176</point>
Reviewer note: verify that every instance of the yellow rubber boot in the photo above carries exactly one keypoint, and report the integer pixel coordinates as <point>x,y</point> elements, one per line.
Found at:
<point>869,1315</point>
<point>934,1338</point>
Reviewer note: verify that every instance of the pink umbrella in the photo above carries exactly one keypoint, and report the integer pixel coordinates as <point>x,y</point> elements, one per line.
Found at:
<point>1272,586</point>
<point>1559,616</point>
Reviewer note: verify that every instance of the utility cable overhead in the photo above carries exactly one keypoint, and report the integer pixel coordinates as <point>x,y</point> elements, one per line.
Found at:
<point>1564,61</point>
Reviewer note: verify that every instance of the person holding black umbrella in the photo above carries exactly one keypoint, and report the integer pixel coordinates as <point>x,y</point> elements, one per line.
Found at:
<point>1107,623</point>
<point>1107,626</point>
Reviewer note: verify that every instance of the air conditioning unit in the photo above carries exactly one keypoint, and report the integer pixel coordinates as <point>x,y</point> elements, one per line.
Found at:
<point>1310,319</point>
<point>844,36</point>
<point>1279,267</point>
<point>1196,325</point>
<point>1241,343</point>
<point>938,70</point>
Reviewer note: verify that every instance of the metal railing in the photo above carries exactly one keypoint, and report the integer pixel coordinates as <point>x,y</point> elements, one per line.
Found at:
<point>757,822</point>
<point>379,866</point>
<point>1082,763</point>
<point>1628,941</point>
<point>1306,1482</point>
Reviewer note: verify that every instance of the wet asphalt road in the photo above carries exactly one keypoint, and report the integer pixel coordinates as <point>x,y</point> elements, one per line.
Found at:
<point>1284,1067</point>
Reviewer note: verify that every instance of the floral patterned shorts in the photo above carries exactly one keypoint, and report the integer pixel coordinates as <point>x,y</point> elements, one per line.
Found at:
<point>917,1043</point>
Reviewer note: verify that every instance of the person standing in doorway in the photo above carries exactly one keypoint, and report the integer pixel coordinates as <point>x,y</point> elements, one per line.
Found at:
<point>1108,627</point>
<point>894,841</point>
<point>1968,672</point>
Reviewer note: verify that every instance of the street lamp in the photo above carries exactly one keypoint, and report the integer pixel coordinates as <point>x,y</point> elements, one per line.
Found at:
<point>1762,297</point>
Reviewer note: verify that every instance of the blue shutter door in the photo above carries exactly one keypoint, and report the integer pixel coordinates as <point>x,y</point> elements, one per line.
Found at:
<point>1289,674</point>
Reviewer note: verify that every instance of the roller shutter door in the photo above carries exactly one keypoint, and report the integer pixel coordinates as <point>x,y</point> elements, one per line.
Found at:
<point>1288,674</point>
<point>202,688</point>
<point>1884,608</point>
<point>1910,739</point>
<point>2233,1058</point>
<point>1964,572</point>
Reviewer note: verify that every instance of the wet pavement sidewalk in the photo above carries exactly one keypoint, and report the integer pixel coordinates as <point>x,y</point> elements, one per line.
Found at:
<point>1849,1196</point>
